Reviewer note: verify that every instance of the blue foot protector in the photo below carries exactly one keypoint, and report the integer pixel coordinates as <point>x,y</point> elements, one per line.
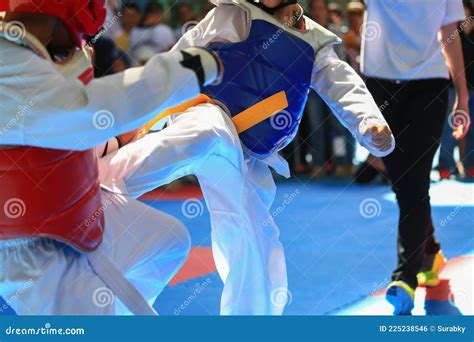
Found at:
<point>402,297</point>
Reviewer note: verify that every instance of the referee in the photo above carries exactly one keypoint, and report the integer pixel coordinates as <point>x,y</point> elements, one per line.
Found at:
<point>409,51</point>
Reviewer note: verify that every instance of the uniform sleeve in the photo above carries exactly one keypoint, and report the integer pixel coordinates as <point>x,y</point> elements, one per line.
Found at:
<point>346,94</point>
<point>65,114</point>
<point>225,23</point>
<point>454,12</point>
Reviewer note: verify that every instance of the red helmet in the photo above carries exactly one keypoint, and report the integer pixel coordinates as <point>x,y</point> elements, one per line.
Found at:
<point>79,16</point>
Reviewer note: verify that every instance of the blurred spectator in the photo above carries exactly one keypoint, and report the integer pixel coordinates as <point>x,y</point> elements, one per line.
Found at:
<point>186,17</point>
<point>327,138</point>
<point>152,36</point>
<point>142,4</point>
<point>319,12</point>
<point>122,62</point>
<point>185,13</point>
<point>309,150</point>
<point>352,40</point>
<point>108,59</point>
<point>336,16</point>
<point>204,10</point>
<point>131,17</point>
<point>112,23</point>
<point>447,164</point>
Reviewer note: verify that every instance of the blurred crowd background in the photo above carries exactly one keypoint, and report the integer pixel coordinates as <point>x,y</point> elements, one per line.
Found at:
<point>136,30</point>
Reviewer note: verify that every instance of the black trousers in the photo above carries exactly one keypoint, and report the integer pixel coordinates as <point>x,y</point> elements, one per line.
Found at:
<point>416,112</point>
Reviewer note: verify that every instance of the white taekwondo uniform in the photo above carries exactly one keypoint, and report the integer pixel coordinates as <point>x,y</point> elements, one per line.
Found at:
<point>40,107</point>
<point>238,188</point>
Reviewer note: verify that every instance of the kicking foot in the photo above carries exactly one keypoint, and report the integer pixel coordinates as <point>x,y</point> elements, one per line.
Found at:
<point>402,297</point>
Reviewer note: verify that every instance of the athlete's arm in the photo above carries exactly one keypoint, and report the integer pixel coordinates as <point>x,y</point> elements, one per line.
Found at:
<point>65,114</point>
<point>452,50</point>
<point>349,99</point>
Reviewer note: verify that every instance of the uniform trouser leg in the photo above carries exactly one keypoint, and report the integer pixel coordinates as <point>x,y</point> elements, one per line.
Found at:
<point>416,113</point>
<point>48,278</point>
<point>238,193</point>
<point>245,240</point>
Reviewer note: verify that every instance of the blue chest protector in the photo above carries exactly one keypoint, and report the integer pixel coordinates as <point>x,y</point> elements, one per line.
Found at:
<point>269,61</point>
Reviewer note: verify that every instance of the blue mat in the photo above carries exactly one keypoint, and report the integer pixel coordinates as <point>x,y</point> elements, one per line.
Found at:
<point>340,244</point>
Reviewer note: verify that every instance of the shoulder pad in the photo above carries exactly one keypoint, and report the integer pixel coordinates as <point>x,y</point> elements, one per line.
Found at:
<point>315,35</point>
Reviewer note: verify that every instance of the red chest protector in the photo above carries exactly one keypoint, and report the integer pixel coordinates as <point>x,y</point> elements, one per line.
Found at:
<point>51,193</point>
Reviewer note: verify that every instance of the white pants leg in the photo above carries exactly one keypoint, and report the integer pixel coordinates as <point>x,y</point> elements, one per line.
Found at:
<point>245,240</point>
<point>48,278</point>
<point>202,141</point>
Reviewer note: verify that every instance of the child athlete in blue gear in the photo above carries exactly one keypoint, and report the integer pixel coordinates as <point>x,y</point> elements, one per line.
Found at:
<point>229,139</point>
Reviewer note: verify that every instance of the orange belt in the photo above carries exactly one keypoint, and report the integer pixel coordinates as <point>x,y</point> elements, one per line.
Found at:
<point>242,121</point>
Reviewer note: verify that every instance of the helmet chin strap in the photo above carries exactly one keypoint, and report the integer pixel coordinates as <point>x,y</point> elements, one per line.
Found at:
<point>272,11</point>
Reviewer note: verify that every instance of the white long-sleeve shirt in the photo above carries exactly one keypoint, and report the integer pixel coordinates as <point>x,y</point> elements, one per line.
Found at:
<point>334,80</point>
<point>401,39</point>
<point>39,107</point>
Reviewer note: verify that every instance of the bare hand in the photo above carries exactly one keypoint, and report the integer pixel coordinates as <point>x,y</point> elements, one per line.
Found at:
<point>380,136</point>
<point>460,120</point>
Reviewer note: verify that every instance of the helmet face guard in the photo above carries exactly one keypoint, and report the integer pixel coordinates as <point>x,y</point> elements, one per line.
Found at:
<point>81,17</point>
<point>272,11</point>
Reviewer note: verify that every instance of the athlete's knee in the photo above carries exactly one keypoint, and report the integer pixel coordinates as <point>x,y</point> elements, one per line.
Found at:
<point>216,127</point>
